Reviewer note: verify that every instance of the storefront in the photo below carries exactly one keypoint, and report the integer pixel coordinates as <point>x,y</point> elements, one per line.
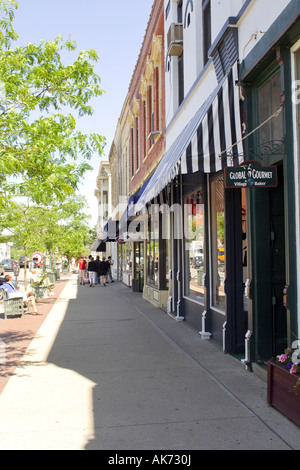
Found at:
<point>206,222</point>
<point>156,287</point>
<point>214,254</point>
<point>272,271</point>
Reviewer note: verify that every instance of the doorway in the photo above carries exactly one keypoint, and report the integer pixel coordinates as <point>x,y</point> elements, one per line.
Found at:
<point>278,265</point>
<point>268,270</point>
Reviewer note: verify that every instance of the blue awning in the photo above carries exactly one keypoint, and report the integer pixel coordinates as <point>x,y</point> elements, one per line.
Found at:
<point>211,141</point>
<point>130,212</point>
<point>111,231</point>
<point>135,198</point>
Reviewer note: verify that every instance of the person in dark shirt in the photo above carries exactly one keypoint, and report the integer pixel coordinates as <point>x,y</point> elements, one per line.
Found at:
<point>103,272</point>
<point>92,269</point>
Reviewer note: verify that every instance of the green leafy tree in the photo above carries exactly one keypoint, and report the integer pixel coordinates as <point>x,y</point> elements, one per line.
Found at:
<point>42,153</point>
<point>46,228</point>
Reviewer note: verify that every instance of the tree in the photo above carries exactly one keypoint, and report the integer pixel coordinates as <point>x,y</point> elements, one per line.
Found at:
<point>42,153</point>
<point>45,228</point>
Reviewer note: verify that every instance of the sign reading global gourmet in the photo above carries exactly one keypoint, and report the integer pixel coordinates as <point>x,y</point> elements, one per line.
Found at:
<point>251,174</point>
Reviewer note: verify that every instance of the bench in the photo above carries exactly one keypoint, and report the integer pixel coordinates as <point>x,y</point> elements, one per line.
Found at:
<point>13,307</point>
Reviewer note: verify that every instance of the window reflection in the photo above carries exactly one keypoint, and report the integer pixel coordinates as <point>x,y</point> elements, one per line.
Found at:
<point>218,243</point>
<point>194,246</point>
<point>153,251</point>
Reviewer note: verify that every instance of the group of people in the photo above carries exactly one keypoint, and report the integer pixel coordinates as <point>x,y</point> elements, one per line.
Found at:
<point>99,271</point>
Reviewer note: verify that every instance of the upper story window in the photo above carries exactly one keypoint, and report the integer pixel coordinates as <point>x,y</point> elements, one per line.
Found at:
<point>188,11</point>
<point>179,11</point>
<point>168,9</point>
<point>180,59</point>
<point>269,101</point>
<point>206,18</point>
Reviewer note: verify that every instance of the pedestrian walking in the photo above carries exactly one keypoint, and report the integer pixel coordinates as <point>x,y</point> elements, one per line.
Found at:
<point>109,265</point>
<point>92,269</point>
<point>103,272</point>
<point>98,268</point>
<point>81,269</point>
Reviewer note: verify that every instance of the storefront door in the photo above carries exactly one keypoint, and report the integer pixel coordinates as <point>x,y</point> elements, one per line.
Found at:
<point>277,266</point>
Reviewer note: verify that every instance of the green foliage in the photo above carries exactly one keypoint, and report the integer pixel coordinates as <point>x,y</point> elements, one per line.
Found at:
<point>46,228</point>
<point>42,153</point>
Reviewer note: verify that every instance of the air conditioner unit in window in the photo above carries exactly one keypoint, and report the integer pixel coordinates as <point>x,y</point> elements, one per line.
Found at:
<point>175,39</point>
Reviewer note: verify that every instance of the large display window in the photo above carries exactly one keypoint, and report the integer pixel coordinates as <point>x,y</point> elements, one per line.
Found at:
<point>194,223</point>
<point>218,253</point>
<point>152,243</point>
<point>157,249</point>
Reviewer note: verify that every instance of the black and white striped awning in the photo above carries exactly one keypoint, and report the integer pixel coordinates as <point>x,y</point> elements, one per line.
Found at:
<point>210,142</point>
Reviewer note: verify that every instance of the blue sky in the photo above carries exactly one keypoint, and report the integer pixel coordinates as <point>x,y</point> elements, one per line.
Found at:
<point>115,29</point>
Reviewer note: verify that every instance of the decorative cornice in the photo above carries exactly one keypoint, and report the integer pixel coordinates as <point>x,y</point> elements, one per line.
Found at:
<point>136,107</point>
<point>157,45</point>
<point>144,88</point>
<point>130,119</point>
<point>149,71</point>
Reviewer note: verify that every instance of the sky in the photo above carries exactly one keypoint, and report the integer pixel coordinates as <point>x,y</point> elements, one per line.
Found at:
<point>115,29</point>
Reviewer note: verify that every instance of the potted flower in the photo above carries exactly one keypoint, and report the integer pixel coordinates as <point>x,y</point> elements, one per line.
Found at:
<point>65,268</point>
<point>283,383</point>
<point>41,286</point>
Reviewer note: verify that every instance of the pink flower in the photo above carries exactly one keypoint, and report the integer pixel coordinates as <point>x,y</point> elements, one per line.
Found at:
<point>282,358</point>
<point>293,370</point>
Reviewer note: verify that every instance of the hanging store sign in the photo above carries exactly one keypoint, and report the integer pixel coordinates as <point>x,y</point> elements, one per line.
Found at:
<point>251,174</point>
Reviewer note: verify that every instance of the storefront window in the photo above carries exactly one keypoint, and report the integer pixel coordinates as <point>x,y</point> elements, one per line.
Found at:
<point>153,250</point>
<point>120,263</point>
<point>128,257</point>
<point>164,250</point>
<point>139,260</point>
<point>218,243</point>
<point>269,96</point>
<point>194,246</point>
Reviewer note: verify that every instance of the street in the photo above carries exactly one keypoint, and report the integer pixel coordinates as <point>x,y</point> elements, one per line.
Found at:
<point>108,371</point>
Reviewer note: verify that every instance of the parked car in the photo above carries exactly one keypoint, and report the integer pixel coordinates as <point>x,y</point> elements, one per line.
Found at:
<point>197,261</point>
<point>8,264</point>
<point>22,262</point>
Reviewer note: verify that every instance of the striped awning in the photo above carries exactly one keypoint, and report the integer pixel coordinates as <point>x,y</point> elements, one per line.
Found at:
<point>210,142</point>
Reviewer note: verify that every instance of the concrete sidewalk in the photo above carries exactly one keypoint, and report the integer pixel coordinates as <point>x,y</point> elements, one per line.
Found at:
<point>108,371</point>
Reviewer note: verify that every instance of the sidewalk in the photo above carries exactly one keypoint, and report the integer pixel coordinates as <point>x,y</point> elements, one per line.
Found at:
<point>17,333</point>
<point>108,371</point>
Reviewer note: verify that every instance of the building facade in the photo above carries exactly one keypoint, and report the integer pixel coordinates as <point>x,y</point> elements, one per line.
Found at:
<point>137,148</point>
<point>214,170</point>
<point>268,76</point>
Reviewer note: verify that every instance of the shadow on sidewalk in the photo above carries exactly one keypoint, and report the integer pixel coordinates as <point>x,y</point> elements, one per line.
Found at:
<point>137,387</point>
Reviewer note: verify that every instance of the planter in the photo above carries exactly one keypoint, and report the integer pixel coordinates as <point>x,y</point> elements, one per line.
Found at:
<point>282,393</point>
<point>51,276</point>
<point>40,292</point>
<point>137,285</point>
